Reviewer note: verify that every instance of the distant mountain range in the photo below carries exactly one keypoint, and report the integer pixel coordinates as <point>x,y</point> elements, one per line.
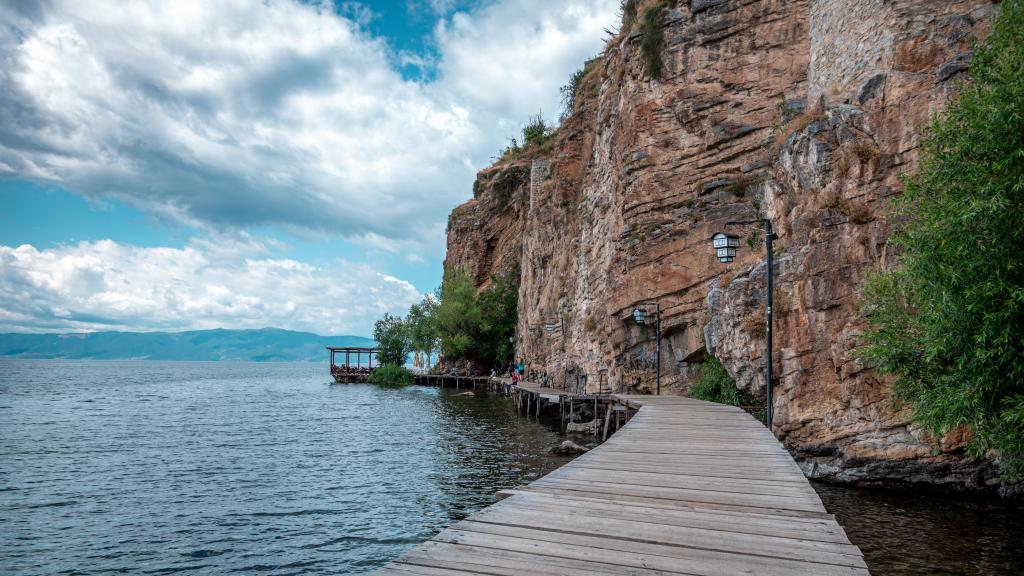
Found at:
<point>267,344</point>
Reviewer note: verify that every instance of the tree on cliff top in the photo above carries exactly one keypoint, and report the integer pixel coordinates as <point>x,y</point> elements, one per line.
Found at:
<point>948,320</point>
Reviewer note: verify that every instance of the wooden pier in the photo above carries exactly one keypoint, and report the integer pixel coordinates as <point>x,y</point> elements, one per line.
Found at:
<point>686,487</point>
<point>452,381</point>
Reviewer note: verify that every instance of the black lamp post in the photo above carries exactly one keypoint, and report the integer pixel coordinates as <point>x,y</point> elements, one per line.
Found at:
<point>640,316</point>
<point>725,248</point>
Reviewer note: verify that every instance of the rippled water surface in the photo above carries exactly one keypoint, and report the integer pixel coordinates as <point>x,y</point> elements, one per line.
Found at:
<point>161,467</point>
<point>921,533</point>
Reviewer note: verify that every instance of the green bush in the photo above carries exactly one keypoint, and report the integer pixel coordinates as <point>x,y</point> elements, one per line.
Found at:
<point>715,385</point>
<point>572,89</point>
<point>652,40</point>
<point>948,321</point>
<point>393,340</point>
<point>629,8</point>
<point>391,375</point>
<point>477,327</point>
<point>535,131</point>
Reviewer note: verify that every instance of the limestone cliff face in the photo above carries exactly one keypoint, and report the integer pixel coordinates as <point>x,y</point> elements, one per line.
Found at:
<point>802,112</point>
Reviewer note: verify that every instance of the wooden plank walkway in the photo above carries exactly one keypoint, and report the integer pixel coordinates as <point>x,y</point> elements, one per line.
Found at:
<point>686,487</point>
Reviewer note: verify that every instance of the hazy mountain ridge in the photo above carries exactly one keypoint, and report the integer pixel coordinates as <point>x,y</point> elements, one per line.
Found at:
<point>267,344</point>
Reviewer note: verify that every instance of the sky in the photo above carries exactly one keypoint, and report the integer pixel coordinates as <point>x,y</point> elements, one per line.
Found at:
<point>251,163</point>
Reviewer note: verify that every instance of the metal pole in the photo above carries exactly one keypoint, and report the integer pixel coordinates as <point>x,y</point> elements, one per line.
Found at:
<point>769,236</point>
<point>657,333</point>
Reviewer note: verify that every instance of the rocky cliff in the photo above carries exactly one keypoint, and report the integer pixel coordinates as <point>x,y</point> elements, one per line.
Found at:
<point>802,112</point>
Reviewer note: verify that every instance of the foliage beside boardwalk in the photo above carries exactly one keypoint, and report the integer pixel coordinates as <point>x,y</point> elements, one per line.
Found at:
<point>478,327</point>
<point>457,321</point>
<point>716,385</point>
<point>391,375</point>
<point>948,321</point>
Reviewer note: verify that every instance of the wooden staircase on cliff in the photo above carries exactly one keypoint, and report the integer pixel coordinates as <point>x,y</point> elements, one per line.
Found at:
<point>686,487</point>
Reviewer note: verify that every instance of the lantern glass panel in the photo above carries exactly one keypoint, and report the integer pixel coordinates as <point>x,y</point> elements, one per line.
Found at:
<point>640,316</point>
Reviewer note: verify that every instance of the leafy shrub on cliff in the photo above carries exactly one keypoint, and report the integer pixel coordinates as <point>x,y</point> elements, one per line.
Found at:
<point>571,90</point>
<point>948,321</point>
<point>652,40</point>
<point>629,8</point>
<point>536,130</point>
<point>716,385</point>
<point>391,375</point>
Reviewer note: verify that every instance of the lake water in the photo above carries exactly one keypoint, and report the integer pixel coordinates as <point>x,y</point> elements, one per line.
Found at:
<point>162,467</point>
<point>214,468</point>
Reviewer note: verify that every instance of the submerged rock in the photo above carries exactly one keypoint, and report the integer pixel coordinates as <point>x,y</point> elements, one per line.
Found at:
<point>568,447</point>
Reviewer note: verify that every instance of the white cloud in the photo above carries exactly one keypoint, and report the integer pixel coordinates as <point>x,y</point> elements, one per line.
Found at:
<point>109,286</point>
<point>241,115</point>
<point>508,60</point>
<point>245,113</point>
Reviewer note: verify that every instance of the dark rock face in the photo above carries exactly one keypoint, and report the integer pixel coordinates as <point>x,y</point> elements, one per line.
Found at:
<point>802,112</point>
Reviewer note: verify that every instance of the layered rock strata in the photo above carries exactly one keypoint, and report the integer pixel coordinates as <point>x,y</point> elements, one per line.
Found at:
<point>806,113</point>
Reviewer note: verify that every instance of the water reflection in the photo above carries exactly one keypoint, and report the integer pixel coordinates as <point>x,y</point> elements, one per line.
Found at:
<point>903,532</point>
<point>219,467</point>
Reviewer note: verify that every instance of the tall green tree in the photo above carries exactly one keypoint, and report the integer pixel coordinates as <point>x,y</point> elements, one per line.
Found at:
<point>477,327</point>
<point>499,307</point>
<point>422,322</point>
<point>458,315</point>
<point>392,336</point>
<point>948,320</point>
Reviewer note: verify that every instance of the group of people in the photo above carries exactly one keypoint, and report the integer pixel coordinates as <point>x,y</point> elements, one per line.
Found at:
<point>516,370</point>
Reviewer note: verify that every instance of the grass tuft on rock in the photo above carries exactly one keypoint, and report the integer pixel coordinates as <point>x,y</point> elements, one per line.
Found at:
<point>652,40</point>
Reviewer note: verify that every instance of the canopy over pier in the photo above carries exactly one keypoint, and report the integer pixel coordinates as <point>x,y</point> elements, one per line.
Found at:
<point>358,363</point>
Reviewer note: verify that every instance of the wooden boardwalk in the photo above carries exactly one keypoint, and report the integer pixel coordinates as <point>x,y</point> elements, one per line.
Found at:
<point>686,487</point>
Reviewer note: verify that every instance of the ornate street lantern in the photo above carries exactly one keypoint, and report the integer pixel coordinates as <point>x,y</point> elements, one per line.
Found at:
<point>725,246</point>
<point>641,316</point>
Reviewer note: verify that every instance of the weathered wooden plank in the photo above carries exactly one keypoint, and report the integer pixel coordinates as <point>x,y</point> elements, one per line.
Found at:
<point>687,494</point>
<point>639,555</point>
<point>669,502</point>
<point>582,511</point>
<point>668,480</point>
<point>659,533</point>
